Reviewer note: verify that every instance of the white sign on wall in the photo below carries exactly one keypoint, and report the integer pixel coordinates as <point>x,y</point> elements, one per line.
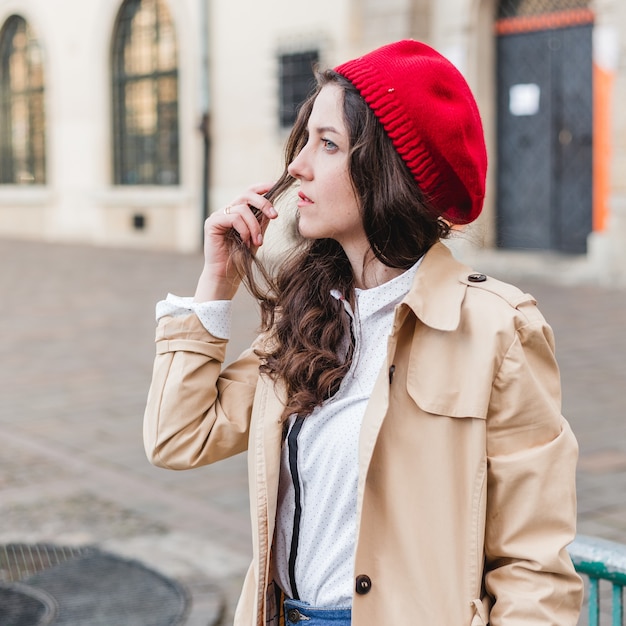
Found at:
<point>524,99</point>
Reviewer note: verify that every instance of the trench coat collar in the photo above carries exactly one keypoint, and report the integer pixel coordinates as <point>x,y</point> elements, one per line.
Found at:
<point>438,289</point>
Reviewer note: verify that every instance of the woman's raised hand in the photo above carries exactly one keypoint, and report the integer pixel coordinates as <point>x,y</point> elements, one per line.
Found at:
<point>219,279</point>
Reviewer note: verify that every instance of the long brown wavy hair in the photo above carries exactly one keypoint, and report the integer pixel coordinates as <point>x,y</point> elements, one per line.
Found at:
<point>310,344</point>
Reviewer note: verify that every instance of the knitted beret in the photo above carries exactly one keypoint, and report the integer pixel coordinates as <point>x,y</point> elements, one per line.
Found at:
<point>430,114</point>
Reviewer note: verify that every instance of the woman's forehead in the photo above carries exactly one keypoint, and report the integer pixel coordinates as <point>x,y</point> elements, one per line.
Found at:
<point>327,109</point>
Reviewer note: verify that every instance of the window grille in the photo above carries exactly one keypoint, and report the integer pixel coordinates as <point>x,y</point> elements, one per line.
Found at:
<point>145,95</point>
<point>297,80</point>
<point>521,8</point>
<point>22,119</point>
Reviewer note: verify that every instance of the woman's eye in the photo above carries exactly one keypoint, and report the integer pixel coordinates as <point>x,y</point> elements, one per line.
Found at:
<point>329,146</point>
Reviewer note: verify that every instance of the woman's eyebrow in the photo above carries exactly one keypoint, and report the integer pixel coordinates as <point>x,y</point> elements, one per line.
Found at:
<point>327,129</point>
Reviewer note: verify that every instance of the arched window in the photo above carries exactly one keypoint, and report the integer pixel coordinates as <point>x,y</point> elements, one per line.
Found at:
<point>22,119</point>
<point>145,95</point>
<point>521,8</point>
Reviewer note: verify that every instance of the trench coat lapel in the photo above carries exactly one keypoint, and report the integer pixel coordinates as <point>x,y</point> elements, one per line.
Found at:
<point>268,448</point>
<point>435,299</point>
<point>439,289</point>
<point>263,472</point>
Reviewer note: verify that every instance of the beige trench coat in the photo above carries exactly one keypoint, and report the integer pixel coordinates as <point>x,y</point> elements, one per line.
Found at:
<point>466,498</point>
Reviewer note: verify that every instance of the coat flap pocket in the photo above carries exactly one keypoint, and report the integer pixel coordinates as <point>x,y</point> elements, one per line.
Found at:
<point>451,382</point>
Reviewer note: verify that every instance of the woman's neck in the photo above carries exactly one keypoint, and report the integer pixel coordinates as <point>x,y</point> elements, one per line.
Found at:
<point>369,271</point>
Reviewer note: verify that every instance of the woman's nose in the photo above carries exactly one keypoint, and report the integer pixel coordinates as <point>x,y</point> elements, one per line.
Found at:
<point>299,167</point>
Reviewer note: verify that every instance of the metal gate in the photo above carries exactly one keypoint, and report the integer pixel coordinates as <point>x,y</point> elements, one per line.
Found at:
<point>545,139</point>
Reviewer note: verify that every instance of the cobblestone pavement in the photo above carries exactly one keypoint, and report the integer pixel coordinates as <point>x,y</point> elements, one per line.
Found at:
<point>75,364</point>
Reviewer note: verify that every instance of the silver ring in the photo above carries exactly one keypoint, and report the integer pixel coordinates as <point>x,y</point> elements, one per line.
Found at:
<point>227,210</point>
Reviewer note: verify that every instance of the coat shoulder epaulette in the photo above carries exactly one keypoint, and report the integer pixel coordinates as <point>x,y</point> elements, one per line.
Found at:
<point>509,293</point>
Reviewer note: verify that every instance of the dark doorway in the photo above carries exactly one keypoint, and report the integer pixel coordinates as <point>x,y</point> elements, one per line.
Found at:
<point>544,187</point>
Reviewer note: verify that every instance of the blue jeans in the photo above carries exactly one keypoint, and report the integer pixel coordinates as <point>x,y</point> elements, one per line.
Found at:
<point>301,614</point>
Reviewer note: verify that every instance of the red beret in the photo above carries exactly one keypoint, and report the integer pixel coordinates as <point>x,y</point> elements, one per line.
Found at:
<point>431,116</point>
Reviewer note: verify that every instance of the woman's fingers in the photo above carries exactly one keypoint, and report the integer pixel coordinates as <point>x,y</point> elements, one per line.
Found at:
<point>262,204</point>
<point>250,214</point>
<point>246,224</point>
<point>255,199</point>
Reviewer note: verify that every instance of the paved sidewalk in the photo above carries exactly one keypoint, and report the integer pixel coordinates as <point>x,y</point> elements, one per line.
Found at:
<point>75,364</point>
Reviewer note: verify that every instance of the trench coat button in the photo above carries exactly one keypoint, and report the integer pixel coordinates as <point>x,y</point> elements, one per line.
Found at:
<point>363,584</point>
<point>477,278</point>
<point>293,615</point>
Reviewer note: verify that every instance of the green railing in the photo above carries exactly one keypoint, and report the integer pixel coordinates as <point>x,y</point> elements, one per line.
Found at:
<point>599,559</point>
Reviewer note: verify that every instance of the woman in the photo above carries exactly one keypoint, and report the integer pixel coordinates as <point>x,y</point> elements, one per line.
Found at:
<point>408,459</point>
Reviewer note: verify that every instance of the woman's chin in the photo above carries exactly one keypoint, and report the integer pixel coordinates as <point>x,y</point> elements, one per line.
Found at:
<point>307,231</point>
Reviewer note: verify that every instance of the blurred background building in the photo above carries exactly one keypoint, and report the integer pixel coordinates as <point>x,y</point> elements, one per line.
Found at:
<point>125,122</point>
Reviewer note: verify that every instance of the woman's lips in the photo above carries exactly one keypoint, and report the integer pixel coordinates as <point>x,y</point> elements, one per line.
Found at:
<point>304,200</point>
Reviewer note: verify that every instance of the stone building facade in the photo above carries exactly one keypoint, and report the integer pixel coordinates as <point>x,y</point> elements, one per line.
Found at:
<point>129,120</point>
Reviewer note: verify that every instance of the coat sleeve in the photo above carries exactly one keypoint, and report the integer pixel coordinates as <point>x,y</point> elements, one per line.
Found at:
<point>196,413</point>
<point>531,492</point>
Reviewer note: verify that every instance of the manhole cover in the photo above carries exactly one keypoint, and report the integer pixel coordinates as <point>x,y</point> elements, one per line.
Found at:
<point>21,605</point>
<point>19,560</point>
<point>47,585</point>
